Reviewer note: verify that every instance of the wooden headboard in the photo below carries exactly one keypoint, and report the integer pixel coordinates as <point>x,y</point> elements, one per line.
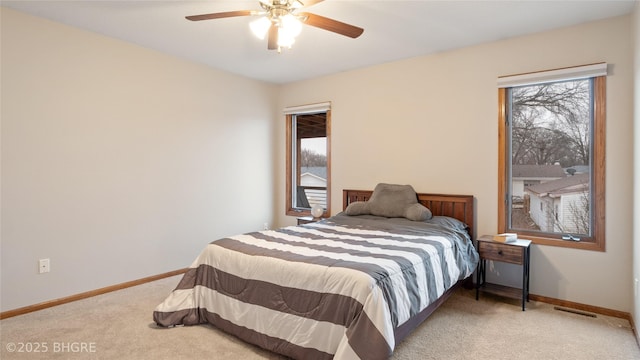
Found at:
<point>455,206</point>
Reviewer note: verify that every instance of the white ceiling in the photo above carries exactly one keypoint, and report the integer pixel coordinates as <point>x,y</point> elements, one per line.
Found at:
<point>393,29</point>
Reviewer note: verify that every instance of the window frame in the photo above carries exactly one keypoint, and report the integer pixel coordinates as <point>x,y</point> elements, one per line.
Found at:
<point>597,241</point>
<point>289,208</point>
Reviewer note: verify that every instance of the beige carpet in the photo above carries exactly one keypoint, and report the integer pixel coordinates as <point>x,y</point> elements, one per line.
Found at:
<point>119,325</point>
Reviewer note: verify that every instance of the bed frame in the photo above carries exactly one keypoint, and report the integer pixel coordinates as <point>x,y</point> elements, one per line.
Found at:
<point>455,206</point>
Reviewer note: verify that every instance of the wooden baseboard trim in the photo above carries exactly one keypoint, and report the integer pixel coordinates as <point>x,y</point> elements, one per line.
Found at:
<point>88,294</point>
<point>589,308</point>
<point>635,332</point>
<point>582,307</point>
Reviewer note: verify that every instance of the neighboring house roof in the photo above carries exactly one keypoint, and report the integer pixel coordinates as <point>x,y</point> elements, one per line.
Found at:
<point>310,175</point>
<point>537,171</point>
<point>318,171</point>
<point>569,184</point>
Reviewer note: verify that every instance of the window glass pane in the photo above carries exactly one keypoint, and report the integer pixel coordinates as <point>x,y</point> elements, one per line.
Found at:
<point>309,166</point>
<point>550,141</point>
<point>313,170</point>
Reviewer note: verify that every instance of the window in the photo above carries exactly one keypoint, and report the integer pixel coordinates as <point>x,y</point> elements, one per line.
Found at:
<point>308,159</point>
<point>551,156</point>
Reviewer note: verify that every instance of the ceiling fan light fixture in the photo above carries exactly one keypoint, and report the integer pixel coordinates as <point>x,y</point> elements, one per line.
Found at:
<point>290,25</point>
<point>281,23</point>
<point>284,39</point>
<point>260,27</point>
<point>296,4</point>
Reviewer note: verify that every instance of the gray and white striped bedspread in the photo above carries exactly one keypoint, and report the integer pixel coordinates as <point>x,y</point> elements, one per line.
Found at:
<point>338,287</point>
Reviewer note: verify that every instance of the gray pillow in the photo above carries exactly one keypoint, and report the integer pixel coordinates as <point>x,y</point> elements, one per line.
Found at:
<point>449,222</point>
<point>390,200</point>
<point>357,208</point>
<point>417,212</point>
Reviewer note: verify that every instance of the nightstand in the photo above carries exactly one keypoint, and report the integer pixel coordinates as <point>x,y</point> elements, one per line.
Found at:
<point>518,252</point>
<point>307,219</point>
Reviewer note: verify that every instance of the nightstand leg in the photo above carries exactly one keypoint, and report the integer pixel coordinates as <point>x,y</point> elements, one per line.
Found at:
<point>524,286</point>
<point>478,280</point>
<point>525,279</point>
<point>527,266</point>
<point>480,277</point>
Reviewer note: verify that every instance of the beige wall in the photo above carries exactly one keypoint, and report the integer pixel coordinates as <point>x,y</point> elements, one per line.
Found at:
<point>119,162</point>
<point>432,122</point>
<point>636,143</point>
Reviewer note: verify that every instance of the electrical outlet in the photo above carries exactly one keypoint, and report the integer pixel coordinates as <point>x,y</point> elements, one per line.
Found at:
<point>265,226</point>
<point>44,266</point>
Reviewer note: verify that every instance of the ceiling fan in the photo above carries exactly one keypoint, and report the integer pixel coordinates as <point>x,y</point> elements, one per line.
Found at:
<point>280,20</point>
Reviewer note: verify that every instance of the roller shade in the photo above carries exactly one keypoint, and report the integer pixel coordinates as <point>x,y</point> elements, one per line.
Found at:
<point>308,109</point>
<point>564,74</point>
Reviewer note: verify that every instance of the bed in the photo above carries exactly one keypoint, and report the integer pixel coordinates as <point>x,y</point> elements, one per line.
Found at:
<point>351,286</point>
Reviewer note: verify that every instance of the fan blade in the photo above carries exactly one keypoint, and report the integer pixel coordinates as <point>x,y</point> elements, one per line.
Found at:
<point>273,38</point>
<point>219,15</point>
<point>332,25</point>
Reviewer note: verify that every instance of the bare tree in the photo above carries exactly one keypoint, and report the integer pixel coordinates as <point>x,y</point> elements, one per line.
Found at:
<point>311,158</point>
<point>550,123</point>
<point>580,215</point>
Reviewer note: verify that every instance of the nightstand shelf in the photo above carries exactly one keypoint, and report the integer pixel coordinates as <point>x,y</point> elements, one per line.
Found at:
<point>518,253</point>
<point>501,290</point>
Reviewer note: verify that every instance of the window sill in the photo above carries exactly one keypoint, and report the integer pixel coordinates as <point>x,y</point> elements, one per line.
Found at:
<point>298,212</point>
<point>582,245</point>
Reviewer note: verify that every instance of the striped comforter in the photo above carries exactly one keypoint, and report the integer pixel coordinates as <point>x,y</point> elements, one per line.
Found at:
<point>338,287</point>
